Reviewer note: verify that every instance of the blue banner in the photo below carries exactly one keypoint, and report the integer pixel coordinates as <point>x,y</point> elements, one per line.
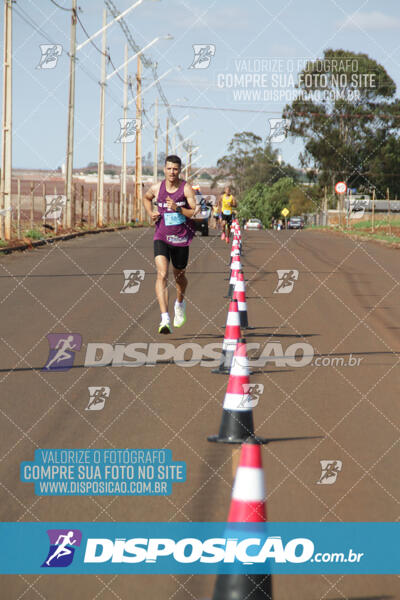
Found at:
<point>196,548</point>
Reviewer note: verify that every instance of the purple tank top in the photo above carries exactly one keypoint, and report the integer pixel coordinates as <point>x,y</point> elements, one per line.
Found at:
<point>168,228</point>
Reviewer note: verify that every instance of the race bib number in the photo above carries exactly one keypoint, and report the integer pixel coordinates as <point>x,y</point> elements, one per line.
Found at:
<point>174,218</point>
<point>227,212</point>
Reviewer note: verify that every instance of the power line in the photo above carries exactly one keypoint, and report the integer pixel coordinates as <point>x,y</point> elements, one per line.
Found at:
<point>29,21</point>
<point>62,7</point>
<point>147,63</point>
<point>297,113</point>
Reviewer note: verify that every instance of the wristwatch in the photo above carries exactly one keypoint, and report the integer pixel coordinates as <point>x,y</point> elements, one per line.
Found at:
<point>178,209</point>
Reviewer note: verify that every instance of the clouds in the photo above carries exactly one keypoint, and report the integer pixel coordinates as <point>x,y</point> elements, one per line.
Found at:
<point>370,21</point>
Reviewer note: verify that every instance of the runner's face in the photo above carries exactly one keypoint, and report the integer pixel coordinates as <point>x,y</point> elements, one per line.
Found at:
<point>171,171</point>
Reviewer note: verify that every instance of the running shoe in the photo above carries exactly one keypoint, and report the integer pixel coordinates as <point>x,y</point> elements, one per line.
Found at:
<point>165,327</point>
<point>180,314</point>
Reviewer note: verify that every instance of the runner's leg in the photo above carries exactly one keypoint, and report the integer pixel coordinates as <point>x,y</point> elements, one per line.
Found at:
<point>162,282</point>
<point>181,283</point>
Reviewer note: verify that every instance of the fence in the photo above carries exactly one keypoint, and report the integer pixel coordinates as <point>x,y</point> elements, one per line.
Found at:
<point>31,199</point>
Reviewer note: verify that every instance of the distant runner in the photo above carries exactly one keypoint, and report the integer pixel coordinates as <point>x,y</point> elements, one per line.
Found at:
<point>215,214</point>
<point>227,203</point>
<point>176,204</point>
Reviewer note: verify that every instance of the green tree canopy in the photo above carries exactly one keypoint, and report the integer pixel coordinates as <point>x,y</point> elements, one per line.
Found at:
<point>345,112</point>
<point>249,162</point>
<point>265,201</point>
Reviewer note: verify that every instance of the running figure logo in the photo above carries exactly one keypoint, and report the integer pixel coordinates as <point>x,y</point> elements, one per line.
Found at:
<point>97,397</point>
<point>278,130</point>
<point>54,206</point>
<point>251,394</point>
<point>50,54</point>
<point>203,54</point>
<point>330,471</point>
<point>63,543</point>
<point>358,207</point>
<point>132,282</point>
<point>128,128</point>
<point>286,280</point>
<point>62,351</point>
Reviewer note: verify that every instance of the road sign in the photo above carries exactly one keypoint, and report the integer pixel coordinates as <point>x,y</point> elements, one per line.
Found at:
<point>285,212</point>
<point>340,187</point>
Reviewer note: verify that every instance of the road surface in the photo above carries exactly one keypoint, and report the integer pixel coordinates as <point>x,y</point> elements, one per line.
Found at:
<point>344,305</point>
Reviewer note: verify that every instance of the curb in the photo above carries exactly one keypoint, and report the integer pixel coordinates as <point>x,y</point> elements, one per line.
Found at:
<point>60,238</point>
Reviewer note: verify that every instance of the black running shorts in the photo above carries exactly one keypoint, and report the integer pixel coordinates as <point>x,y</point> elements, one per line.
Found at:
<point>178,255</point>
<point>227,218</point>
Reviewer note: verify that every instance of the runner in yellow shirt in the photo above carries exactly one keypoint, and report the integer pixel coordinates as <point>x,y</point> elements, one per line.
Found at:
<point>227,203</point>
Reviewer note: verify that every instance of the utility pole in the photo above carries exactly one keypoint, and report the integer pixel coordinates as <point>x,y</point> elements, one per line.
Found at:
<point>138,168</point>
<point>71,111</point>
<point>189,161</point>
<point>155,157</point>
<point>174,143</point>
<point>6,134</point>
<point>166,138</point>
<point>100,167</point>
<point>123,168</point>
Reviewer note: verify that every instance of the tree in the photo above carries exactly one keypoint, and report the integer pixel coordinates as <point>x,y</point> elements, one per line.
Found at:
<point>345,112</point>
<point>249,162</point>
<point>264,201</point>
<point>304,200</point>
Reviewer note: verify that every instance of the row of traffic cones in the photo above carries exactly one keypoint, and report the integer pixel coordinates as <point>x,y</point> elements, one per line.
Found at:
<point>237,427</point>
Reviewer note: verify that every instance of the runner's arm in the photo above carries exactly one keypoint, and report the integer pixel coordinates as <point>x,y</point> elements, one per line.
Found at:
<point>147,202</point>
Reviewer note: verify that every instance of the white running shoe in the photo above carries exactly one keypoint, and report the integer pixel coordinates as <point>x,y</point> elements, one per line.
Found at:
<point>165,327</point>
<point>180,314</point>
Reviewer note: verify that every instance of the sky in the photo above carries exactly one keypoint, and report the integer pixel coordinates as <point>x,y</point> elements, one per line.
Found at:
<point>273,39</point>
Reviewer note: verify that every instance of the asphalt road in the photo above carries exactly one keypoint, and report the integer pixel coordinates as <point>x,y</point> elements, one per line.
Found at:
<point>344,303</point>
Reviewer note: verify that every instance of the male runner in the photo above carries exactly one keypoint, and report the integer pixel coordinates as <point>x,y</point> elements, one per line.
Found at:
<point>227,203</point>
<point>215,213</point>
<point>176,204</point>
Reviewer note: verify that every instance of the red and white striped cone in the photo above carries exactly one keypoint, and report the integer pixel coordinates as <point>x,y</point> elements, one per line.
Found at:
<point>239,294</point>
<point>237,423</point>
<point>232,336</point>
<point>247,505</point>
<point>235,267</point>
<point>248,496</point>
<point>232,283</point>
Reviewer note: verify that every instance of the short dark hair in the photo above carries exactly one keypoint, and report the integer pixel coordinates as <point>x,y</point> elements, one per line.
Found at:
<point>174,159</point>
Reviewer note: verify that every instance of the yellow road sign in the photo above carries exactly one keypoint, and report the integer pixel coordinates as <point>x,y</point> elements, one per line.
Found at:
<point>285,212</point>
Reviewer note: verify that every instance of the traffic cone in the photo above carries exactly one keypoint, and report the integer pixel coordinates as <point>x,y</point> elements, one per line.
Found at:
<point>247,505</point>
<point>233,276</point>
<point>232,335</point>
<point>237,415</point>
<point>239,294</point>
<point>235,268</point>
